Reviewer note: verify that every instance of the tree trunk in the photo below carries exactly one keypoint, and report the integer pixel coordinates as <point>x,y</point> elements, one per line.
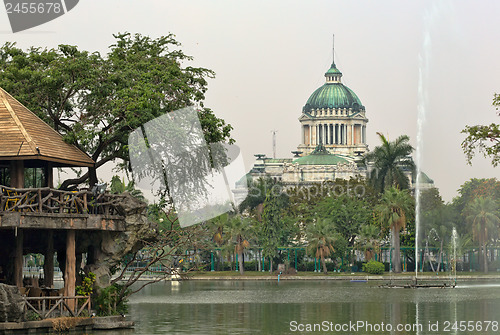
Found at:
<point>485,257</point>
<point>323,262</point>
<point>240,262</point>
<point>259,256</point>
<point>270,265</point>
<point>397,252</point>
<point>92,176</point>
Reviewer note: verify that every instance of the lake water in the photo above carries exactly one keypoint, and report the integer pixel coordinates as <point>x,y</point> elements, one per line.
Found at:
<point>287,307</point>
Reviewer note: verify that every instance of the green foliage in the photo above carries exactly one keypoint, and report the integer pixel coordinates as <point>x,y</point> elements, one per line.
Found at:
<point>347,214</point>
<point>87,287</point>
<point>270,228</point>
<point>32,316</point>
<point>484,218</point>
<point>485,139</point>
<point>374,268</point>
<point>111,301</point>
<point>96,101</point>
<point>322,240</point>
<point>118,186</point>
<point>470,190</point>
<point>389,162</point>
<point>395,207</point>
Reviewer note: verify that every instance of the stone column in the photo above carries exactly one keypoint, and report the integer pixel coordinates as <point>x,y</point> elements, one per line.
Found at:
<point>18,261</point>
<point>313,134</point>
<point>336,133</point>
<point>70,268</point>
<point>48,264</point>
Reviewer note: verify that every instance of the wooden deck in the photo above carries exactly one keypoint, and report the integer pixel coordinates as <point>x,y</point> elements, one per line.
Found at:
<point>48,208</point>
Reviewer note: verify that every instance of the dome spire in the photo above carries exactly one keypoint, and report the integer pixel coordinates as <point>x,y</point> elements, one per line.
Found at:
<point>333,50</point>
<point>333,75</point>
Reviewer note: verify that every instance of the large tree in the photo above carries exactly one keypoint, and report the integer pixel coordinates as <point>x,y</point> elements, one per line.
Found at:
<point>321,239</point>
<point>347,213</point>
<point>95,101</point>
<point>483,216</point>
<point>485,139</point>
<point>395,207</point>
<point>389,162</point>
<point>470,190</point>
<point>238,229</point>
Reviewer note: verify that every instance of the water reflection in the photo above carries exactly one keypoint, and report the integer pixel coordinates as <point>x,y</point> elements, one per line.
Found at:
<point>234,307</point>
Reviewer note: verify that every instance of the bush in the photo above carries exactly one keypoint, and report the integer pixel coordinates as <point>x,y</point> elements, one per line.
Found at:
<point>374,268</point>
<point>110,302</point>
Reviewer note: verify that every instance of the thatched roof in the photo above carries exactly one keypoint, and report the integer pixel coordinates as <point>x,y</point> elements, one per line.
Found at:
<point>24,136</point>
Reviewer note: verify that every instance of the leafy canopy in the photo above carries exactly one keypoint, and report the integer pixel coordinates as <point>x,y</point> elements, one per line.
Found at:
<point>95,101</point>
<point>485,139</point>
<point>390,160</point>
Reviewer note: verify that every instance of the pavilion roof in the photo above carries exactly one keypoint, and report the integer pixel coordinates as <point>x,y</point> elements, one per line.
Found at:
<point>24,136</point>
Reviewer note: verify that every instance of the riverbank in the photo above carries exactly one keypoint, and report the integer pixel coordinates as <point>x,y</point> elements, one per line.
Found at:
<point>406,276</point>
<point>63,324</point>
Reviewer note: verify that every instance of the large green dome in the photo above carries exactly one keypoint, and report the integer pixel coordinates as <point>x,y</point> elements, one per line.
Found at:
<point>333,94</point>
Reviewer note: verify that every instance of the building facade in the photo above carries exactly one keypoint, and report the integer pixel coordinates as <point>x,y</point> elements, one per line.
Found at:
<point>333,127</point>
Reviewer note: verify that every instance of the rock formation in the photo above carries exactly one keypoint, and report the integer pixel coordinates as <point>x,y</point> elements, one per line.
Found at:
<point>11,304</point>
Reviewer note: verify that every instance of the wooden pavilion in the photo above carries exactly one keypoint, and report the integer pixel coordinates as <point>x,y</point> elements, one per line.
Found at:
<point>35,217</point>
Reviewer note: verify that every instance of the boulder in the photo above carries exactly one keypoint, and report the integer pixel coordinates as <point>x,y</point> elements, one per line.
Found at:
<point>11,304</point>
<point>111,247</point>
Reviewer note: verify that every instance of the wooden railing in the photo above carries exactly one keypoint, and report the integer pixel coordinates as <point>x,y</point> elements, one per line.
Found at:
<point>48,200</point>
<point>46,307</point>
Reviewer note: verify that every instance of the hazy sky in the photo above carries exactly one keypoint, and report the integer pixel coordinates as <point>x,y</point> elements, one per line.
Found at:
<point>269,56</point>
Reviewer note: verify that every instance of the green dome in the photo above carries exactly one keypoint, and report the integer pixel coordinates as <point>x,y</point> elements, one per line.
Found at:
<point>320,156</point>
<point>333,70</point>
<point>333,94</point>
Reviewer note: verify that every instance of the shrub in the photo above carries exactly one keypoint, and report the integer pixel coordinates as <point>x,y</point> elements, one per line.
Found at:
<point>87,287</point>
<point>110,302</point>
<point>374,267</point>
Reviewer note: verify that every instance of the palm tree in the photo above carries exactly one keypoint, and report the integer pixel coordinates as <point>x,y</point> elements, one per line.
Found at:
<point>118,186</point>
<point>369,240</point>
<point>238,228</point>
<point>321,238</point>
<point>438,226</point>
<point>395,206</point>
<point>389,161</point>
<point>482,214</point>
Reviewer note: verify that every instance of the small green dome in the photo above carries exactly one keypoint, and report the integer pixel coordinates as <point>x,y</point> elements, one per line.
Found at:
<point>333,70</point>
<point>320,156</point>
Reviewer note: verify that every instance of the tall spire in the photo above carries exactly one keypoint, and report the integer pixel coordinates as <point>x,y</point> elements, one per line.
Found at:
<point>333,49</point>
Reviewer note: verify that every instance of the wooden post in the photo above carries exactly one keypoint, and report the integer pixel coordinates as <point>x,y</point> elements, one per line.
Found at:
<point>70,270</point>
<point>49,175</point>
<point>40,205</point>
<point>85,211</point>
<point>18,261</point>
<point>17,174</point>
<point>48,264</point>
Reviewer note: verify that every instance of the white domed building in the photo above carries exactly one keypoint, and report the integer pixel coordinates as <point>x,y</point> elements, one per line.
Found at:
<point>333,130</point>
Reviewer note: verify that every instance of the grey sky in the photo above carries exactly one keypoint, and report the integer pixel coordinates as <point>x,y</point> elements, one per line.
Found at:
<point>269,57</point>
